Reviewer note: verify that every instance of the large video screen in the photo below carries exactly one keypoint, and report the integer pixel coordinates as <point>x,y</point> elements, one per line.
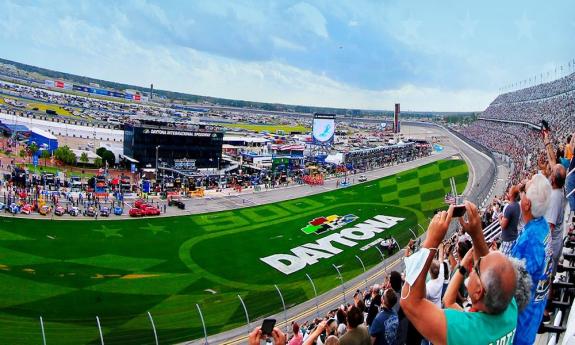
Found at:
<point>323,129</point>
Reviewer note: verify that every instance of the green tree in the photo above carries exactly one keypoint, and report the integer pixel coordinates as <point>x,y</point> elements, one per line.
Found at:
<point>23,153</point>
<point>98,162</point>
<point>84,158</point>
<point>45,154</point>
<point>32,149</point>
<point>109,158</point>
<point>100,152</point>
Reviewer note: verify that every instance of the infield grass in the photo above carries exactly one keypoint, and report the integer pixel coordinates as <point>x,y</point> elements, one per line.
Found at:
<point>69,272</point>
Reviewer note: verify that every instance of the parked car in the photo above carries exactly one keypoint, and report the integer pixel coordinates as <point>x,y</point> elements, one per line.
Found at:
<point>362,178</point>
<point>26,209</point>
<point>90,212</point>
<point>118,211</point>
<point>178,203</point>
<point>59,211</point>
<point>74,211</point>
<point>44,210</point>
<point>105,212</point>
<point>151,211</point>
<point>136,212</point>
<point>14,208</point>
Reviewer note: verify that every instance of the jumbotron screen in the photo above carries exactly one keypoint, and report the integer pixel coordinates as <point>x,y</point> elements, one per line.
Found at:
<point>323,128</point>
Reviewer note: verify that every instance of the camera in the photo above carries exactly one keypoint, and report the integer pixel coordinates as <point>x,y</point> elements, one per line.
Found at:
<point>459,207</point>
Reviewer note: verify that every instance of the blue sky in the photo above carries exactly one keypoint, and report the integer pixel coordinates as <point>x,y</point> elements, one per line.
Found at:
<point>427,55</point>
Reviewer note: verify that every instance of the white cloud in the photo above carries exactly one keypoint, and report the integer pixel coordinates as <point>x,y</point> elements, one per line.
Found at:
<point>310,18</point>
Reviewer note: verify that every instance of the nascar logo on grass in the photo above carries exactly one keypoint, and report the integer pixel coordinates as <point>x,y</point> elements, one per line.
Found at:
<point>323,248</point>
<point>322,224</point>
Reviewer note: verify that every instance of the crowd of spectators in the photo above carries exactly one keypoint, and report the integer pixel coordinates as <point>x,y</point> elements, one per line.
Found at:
<point>545,90</point>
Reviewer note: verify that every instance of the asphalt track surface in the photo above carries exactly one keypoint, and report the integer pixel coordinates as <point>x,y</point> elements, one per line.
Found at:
<point>479,165</point>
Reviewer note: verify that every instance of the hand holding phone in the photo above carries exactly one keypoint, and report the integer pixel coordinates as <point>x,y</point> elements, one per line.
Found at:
<point>268,326</point>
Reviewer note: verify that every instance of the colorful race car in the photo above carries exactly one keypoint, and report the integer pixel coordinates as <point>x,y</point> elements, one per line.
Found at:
<point>151,211</point>
<point>136,212</point>
<point>118,211</point>
<point>74,211</point>
<point>44,210</point>
<point>26,209</point>
<point>59,211</point>
<point>105,212</point>
<point>90,212</point>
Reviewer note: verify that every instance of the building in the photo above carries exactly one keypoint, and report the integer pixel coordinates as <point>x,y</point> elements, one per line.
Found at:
<point>43,139</point>
<point>146,142</point>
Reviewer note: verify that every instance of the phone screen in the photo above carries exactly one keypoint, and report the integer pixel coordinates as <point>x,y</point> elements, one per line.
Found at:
<point>268,326</point>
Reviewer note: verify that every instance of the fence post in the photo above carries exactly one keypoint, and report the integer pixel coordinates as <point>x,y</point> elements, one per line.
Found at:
<point>342,284</point>
<point>364,271</point>
<point>284,306</point>
<point>43,333</point>
<point>246,311</point>
<point>315,293</point>
<point>153,327</point>
<point>203,324</point>
<point>100,330</point>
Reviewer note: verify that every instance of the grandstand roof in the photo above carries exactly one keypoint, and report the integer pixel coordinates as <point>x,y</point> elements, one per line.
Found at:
<point>12,128</point>
<point>43,133</point>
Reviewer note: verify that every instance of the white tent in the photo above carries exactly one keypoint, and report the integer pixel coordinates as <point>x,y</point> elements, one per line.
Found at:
<point>335,159</point>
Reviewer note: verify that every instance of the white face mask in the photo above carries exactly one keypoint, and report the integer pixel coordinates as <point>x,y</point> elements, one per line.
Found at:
<point>413,266</point>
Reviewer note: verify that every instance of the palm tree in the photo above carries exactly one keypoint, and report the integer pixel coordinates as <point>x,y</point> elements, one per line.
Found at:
<point>45,154</point>
<point>84,158</point>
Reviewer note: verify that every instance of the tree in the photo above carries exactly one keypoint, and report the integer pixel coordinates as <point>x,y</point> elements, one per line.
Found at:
<point>65,155</point>
<point>45,154</point>
<point>84,158</point>
<point>32,148</point>
<point>23,153</point>
<point>98,162</point>
<point>109,158</point>
<point>100,152</point>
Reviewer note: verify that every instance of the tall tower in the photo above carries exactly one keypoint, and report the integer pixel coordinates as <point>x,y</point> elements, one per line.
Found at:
<point>151,91</point>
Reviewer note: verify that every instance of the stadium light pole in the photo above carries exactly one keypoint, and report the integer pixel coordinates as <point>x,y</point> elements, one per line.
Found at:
<point>100,330</point>
<point>153,327</point>
<point>364,271</point>
<point>43,333</point>
<point>203,324</point>
<point>284,306</point>
<point>157,148</point>
<point>315,294</point>
<point>246,311</point>
<point>342,283</point>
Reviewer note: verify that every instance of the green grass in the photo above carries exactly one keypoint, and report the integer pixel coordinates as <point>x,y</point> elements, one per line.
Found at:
<point>70,271</point>
<point>53,170</point>
<point>269,128</point>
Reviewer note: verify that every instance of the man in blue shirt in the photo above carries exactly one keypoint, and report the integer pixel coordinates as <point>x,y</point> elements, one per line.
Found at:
<point>383,330</point>
<point>534,246</point>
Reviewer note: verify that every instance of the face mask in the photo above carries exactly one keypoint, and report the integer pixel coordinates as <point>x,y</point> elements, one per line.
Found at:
<point>413,266</point>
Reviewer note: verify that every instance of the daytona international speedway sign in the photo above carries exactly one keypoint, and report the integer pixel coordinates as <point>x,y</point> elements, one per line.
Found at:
<point>324,248</point>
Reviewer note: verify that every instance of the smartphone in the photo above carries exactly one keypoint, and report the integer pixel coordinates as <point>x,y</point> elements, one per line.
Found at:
<point>268,326</point>
<point>459,208</point>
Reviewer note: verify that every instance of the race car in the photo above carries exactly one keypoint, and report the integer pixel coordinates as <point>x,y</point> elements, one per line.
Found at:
<point>118,211</point>
<point>90,212</point>
<point>136,212</point>
<point>139,203</point>
<point>59,211</point>
<point>2,206</point>
<point>74,211</point>
<point>362,178</point>
<point>44,210</point>
<point>151,211</point>
<point>26,209</point>
<point>14,208</point>
<point>105,212</point>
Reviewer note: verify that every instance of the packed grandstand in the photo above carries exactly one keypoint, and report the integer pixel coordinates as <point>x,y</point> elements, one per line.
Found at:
<point>350,240</point>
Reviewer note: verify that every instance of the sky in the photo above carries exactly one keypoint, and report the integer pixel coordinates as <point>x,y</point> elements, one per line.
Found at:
<point>430,55</point>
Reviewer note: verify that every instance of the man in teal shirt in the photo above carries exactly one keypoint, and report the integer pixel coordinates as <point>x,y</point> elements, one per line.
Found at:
<point>491,287</point>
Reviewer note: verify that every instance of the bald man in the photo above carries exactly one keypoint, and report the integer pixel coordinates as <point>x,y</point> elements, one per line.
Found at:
<point>491,287</point>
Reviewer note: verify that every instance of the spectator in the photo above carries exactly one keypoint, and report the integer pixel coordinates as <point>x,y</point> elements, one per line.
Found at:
<point>534,247</point>
<point>383,330</point>
<point>341,317</point>
<point>434,286</point>
<point>256,336</point>
<point>375,302</point>
<point>356,332</point>
<point>491,288</point>
<point>297,338</point>
<point>509,220</point>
